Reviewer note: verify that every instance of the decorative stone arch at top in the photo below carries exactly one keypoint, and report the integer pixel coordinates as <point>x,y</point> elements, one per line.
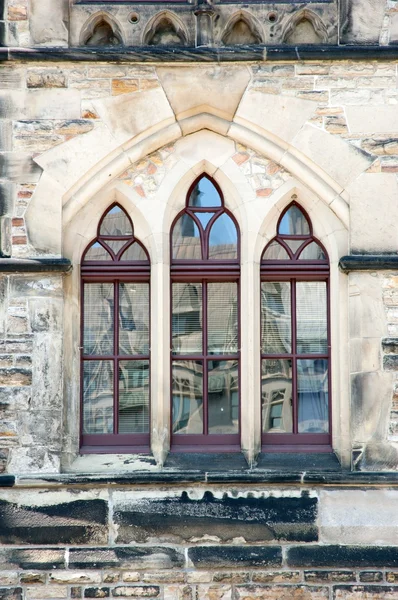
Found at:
<point>103,19</point>
<point>254,26</point>
<point>176,29</point>
<point>305,14</point>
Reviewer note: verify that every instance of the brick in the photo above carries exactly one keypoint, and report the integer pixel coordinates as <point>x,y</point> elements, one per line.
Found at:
<point>280,592</point>
<point>136,591</point>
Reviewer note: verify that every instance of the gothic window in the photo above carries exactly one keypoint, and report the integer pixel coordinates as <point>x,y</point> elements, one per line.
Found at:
<point>115,338</point>
<point>295,337</point>
<point>205,322</point>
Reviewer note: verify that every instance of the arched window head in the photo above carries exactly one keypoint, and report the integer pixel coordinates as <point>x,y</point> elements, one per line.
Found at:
<point>115,338</point>
<point>205,316</point>
<point>205,230</point>
<point>295,337</point>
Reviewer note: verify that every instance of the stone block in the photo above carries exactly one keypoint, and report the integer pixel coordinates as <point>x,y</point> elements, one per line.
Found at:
<point>15,377</point>
<point>215,592</point>
<point>52,104</point>
<point>138,557</point>
<point>40,427</point>
<point>5,237</point>
<point>47,369</point>
<point>74,577</point>
<point>364,592</point>
<point>7,198</point>
<point>371,576</point>
<point>26,286</point>
<point>342,556</point>
<point>35,577</point>
<point>11,78</point>
<point>159,577</point>
<point>280,592</point>
<point>11,593</point>
<point>45,78</point>
<point>45,314</point>
<point>360,29</point>
<point>366,425</point>
<point>33,460</point>
<point>205,557</point>
<point>8,578</point>
<point>49,22</point>
<point>276,576</point>
<point>231,577</point>
<point>177,517</point>
<point>124,86</point>
<point>4,452</point>
<point>136,591</point>
<point>34,558</point>
<point>18,167</point>
<point>54,592</point>
<point>329,576</point>
<point>96,592</point>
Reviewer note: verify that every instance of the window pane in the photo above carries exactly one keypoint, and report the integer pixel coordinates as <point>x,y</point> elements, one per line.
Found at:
<point>276,328</point>
<point>187,318</point>
<point>186,239</point>
<point>223,239</point>
<point>276,396</point>
<point>134,252</point>
<point>116,223</point>
<point>116,245</point>
<point>134,318</point>
<point>294,223</point>
<point>134,396</point>
<point>97,252</point>
<point>311,317</point>
<point>187,393</point>
<point>312,252</point>
<point>204,194</point>
<point>98,318</point>
<point>204,218</point>
<point>312,390</point>
<point>294,245</point>
<point>275,251</point>
<point>98,396</point>
<point>222,318</point>
<point>223,396</point>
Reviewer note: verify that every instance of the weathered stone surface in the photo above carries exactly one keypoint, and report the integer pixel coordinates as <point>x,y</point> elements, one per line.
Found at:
<point>11,593</point>
<point>152,557</point>
<point>205,557</point>
<point>74,577</point>
<point>48,22</point>
<point>281,592</point>
<point>276,576</point>
<point>15,377</point>
<point>43,592</point>
<point>371,576</point>
<point>365,592</point>
<point>328,576</point>
<point>35,558</point>
<point>179,517</point>
<point>32,577</point>
<point>45,78</point>
<point>134,591</point>
<point>342,556</point>
<point>96,592</point>
<point>47,369</point>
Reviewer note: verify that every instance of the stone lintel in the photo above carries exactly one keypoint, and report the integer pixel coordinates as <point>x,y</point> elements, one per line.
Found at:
<point>35,265</point>
<point>368,262</point>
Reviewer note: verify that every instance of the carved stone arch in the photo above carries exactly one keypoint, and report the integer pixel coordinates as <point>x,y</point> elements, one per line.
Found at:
<point>165,29</point>
<point>301,17</point>
<point>101,29</point>
<point>242,28</point>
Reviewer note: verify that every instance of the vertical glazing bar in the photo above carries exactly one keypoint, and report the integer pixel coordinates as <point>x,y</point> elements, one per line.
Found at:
<point>115,359</point>
<point>294,357</point>
<point>205,353</point>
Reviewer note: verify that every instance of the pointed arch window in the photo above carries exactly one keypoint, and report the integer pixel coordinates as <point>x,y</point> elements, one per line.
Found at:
<point>115,354</point>
<point>205,253</point>
<point>295,337</point>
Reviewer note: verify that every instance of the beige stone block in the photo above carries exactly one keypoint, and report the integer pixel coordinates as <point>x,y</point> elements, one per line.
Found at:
<point>189,88</point>
<point>371,519</point>
<point>204,145</point>
<point>281,116</point>
<point>45,78</point>
<point>124,86</point>
<point>52,104</point>
<point>341,161</point>
<point>365,354</point>
<point>74,577</point>
<point>363,119</point>
<point>43,216</point>
<point>44,592</point>
<point>48,20</point>
<point>374,213</point>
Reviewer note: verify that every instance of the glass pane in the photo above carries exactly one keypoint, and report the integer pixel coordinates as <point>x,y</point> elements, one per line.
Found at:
<point>97,252</point>
<point>116,245</point>
<point>186,239</point>
<point>134,396</point>
<point>116,223</point>
<point>98,318</point>
<point>294,245</point>
<point>311,317</point>
<point>222,318</point>
<point>223,239</point>
<point>312,252</point>
<point>204,217</point>
<point>187,393</point>
<point>276,396</point>
<point>294,222</point>
<point>275,252</point>
<point>187,318</point>
<point>98,396</point>
<point>223,396</point>
<point>204,194</point>
<point>312,391</point>
<point>134,318</point>
<point>134,252</point>
<point>276,329</point>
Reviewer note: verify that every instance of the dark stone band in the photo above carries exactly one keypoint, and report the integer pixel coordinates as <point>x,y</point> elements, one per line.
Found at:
<point>368,262</point>
<point>35,265</point>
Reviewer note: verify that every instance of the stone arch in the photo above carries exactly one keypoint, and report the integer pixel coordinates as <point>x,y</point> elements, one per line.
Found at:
<point>101,29</point>
<point>242,28</point>
<point>305,27</point>
<point>165,29</point>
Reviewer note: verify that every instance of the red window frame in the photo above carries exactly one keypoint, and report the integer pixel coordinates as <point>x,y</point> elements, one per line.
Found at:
<point>205,271</point>
<point>295,270</point>
<point>115,272</point>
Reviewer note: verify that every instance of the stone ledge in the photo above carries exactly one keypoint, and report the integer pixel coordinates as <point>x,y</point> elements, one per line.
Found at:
<point>368,262</point>
<point>35,265</point>
<point>255,52</point>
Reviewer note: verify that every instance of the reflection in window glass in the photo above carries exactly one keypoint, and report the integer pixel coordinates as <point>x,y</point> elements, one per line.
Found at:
<point>311,317</point>
<point>98,319</point>
<point>312,388</point>
<point>222,318</point>
<point>275,251</point>
<point>276,396</point>
<point>223,239</point>
<point>294,245</point>
<point>204,218</point>
<point>134,396</point>
<point>223,396</point>
<point>134,318</point>
<point>204,195</point>
<point>97,252</point>
<point>98,396</point>
<point>276,328</point>
<point>187,396</point>
<point>186,239</point>
<point>187,318</point>
<point>312,252</point>
<point>134,252</point>
<point>293,222</point>
<point>116,223</point>
<point>116,245</point>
